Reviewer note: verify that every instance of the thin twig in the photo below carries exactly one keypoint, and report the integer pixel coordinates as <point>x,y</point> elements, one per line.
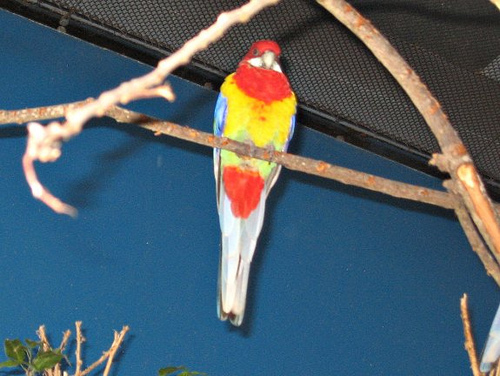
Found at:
<point>40,192</point>
<point>61,348</point>
<point>114,348</point>
<point>470,347</point>
<point>78,353</point>
<point>118,339</point>
<point>64,340</point>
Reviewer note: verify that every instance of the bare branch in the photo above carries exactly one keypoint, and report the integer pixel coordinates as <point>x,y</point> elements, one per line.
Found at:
<point>118,339</point>
<point>40,192</point>
<point>114,348</point>
<point>78,353</point>
<point>470,347</point>
<point>39,113</point>
<point>290,161</point>
<point>454,158</point>
<point>309,166</point>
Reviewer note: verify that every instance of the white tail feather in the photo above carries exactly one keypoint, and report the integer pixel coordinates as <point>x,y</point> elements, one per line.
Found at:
<point>239,239</point>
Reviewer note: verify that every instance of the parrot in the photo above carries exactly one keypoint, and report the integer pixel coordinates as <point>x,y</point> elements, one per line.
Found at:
<point>256,106</point>
<point>491,351</point>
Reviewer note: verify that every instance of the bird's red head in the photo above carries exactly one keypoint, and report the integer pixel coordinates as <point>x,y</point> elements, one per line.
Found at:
<point>260,47</point>
<point>259,74</point>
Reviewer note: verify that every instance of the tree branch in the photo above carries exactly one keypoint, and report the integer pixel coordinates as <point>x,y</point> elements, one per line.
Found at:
<point>290,161</point>
<point>454,158</point>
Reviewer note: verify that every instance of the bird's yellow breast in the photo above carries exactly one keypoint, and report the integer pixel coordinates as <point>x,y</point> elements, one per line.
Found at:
<point>247,118</point>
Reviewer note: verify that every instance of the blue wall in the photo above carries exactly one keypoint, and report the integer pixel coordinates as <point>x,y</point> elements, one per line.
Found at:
<point>345,281</point>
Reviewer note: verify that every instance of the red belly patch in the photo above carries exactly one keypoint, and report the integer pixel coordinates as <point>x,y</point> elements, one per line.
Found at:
<point>243,188</point>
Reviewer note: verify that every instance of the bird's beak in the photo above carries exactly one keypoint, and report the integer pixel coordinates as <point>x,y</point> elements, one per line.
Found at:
<point>268,59</point>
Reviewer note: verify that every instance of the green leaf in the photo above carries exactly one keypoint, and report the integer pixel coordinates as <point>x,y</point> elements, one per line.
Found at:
<point>47,359</point>
<point>32,344</point>
<point>170,370</point>
<point>15,350</point>
<point>9,363</point>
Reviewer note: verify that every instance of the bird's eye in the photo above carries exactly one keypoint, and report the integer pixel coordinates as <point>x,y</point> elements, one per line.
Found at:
<point>255,52</point>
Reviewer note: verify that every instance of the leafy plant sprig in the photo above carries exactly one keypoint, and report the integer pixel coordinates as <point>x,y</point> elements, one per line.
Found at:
<point>38,357</point>
<point>30,356</point>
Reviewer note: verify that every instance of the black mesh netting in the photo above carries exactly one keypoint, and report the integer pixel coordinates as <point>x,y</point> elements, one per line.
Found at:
<point>454,46</point>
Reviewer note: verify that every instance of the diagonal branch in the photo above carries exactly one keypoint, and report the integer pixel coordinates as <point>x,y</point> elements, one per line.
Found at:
<point>454,158</point>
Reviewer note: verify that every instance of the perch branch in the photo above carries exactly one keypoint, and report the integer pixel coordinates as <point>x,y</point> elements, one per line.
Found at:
<point>290,161</point>
<point>44,143</point>
<point>454,158</point>
<point>470,347</point>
